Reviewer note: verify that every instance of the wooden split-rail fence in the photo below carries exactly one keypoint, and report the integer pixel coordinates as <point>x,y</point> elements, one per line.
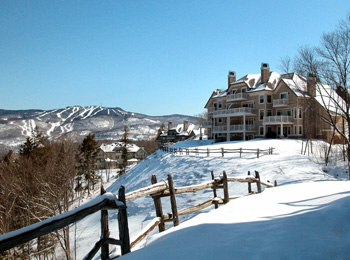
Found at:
<point>108,201</point>
<point>221,151</point>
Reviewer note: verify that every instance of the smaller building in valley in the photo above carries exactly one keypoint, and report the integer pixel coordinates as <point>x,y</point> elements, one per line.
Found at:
<point>175,134</point>
<point>109,156</point>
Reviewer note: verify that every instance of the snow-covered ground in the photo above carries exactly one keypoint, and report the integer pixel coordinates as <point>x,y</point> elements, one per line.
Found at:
<point>304,217</point>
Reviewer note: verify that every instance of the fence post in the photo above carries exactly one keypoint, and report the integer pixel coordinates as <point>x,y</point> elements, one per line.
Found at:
<point>173,200</point>
<point>208,152</point>
<point>275,183</point>
<point>104,230</point>
<point>222,152</point>
<point>158,205</point>
<point>257,153</point>
<point>225,184</point>
<point>258,183</point>
<point>240,152</point>
<point>249,185</point>
<point>214,191</point>
<point>123,224</point>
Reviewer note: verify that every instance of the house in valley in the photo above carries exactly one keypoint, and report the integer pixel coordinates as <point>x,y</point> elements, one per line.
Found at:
<point>109,156</point>
<point>175,134</point>
<point>269,105</point>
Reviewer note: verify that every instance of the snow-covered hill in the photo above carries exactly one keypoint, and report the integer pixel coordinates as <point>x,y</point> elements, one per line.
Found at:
<point>286,165</point>
<point>76,122</point>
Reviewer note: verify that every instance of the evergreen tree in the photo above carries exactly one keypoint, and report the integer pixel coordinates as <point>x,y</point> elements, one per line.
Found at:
<point>125,142</point>
<point>87,163</point>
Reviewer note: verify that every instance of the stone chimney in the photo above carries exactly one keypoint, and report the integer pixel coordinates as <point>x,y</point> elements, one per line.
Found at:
<point>311,84</point>
<point>170,125</point>
<point>185,125</point>
<point>231,77</point>
<point>265,72</point>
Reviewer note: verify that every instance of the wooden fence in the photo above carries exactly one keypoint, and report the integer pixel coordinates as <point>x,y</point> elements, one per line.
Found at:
<point>222,151</point>
<point>108,201</point>
<point>168,189</point>
<point>103,203</point>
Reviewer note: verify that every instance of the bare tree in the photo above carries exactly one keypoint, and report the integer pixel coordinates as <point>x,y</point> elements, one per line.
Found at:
<point>330,63</point>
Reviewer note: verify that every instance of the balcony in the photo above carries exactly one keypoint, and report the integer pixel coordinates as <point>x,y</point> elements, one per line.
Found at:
<point>237,97</point>
<point>277,120</point>
<point>280,102</point>
<point>234,129</point>
<point>220,129</point>
<point>240,111</point>
<point>240,128</point>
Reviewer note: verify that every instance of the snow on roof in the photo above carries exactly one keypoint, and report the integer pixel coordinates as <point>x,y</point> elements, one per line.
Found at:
<point>108,148</point>
<point>132,148</point>
<point>188,131</point>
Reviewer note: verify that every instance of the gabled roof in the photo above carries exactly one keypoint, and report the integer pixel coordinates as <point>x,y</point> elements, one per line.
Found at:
<point>179,130</point>
<point>325,95</point>
<point>132,148</point>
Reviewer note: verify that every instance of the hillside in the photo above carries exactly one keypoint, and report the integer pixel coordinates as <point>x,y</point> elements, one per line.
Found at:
<point>76,122</point>
<point>286,165</point>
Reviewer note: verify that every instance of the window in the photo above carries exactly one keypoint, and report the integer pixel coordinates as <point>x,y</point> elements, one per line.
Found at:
<point>261,114</point>
<point>234,91</point>
<point>220,104</point>
<point>244,90</point>
<point>261,99</point>
<point>284,95</point>
<point>269,112</point>
<point>261,130</point>
<point>279,130</point>
<point>215,106</point>
<point>295,130</point>
<point>300,130</point>
<point>219,120</point>
<point>295,113</point>
<point>269,99</point>
<point>300,113</point>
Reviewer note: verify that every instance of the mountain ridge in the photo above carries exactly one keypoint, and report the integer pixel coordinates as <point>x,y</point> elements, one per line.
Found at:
<point>76,122</point>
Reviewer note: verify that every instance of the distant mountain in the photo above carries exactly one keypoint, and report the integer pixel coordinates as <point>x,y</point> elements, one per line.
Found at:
<point>76,122</point>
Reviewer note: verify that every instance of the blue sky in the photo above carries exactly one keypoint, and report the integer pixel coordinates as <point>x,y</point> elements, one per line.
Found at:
<point>151,57</point>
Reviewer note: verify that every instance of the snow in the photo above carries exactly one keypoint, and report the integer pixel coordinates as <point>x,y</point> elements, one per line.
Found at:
<point>299,221</point>
<point>307,210</point>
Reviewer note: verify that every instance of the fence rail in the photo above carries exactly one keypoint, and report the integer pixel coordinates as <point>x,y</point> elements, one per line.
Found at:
<point>168,189</point>
<point>103,203</point>
<point>221,151</point>
<point>108,201</point>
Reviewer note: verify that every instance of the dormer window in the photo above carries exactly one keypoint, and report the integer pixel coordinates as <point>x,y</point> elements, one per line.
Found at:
<point>234,91</point>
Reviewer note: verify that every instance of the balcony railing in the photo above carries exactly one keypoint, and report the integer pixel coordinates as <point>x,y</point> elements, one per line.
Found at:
<point>278,120</point>
<point>280,102</point>
<point>240,128</point>
<point>234,128</point>
<point>221,128</point>
<point>235,111</point>
<point>235,97</point>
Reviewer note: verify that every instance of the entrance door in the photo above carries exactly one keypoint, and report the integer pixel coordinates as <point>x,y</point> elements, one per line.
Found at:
<point>286,131</point>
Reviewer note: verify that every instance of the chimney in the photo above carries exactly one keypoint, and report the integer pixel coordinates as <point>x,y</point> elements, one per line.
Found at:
<point>231,77</point>
<point>170,125</point>
<point>185,125</point>
<point>265,72</point>
<point>311,84</point>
